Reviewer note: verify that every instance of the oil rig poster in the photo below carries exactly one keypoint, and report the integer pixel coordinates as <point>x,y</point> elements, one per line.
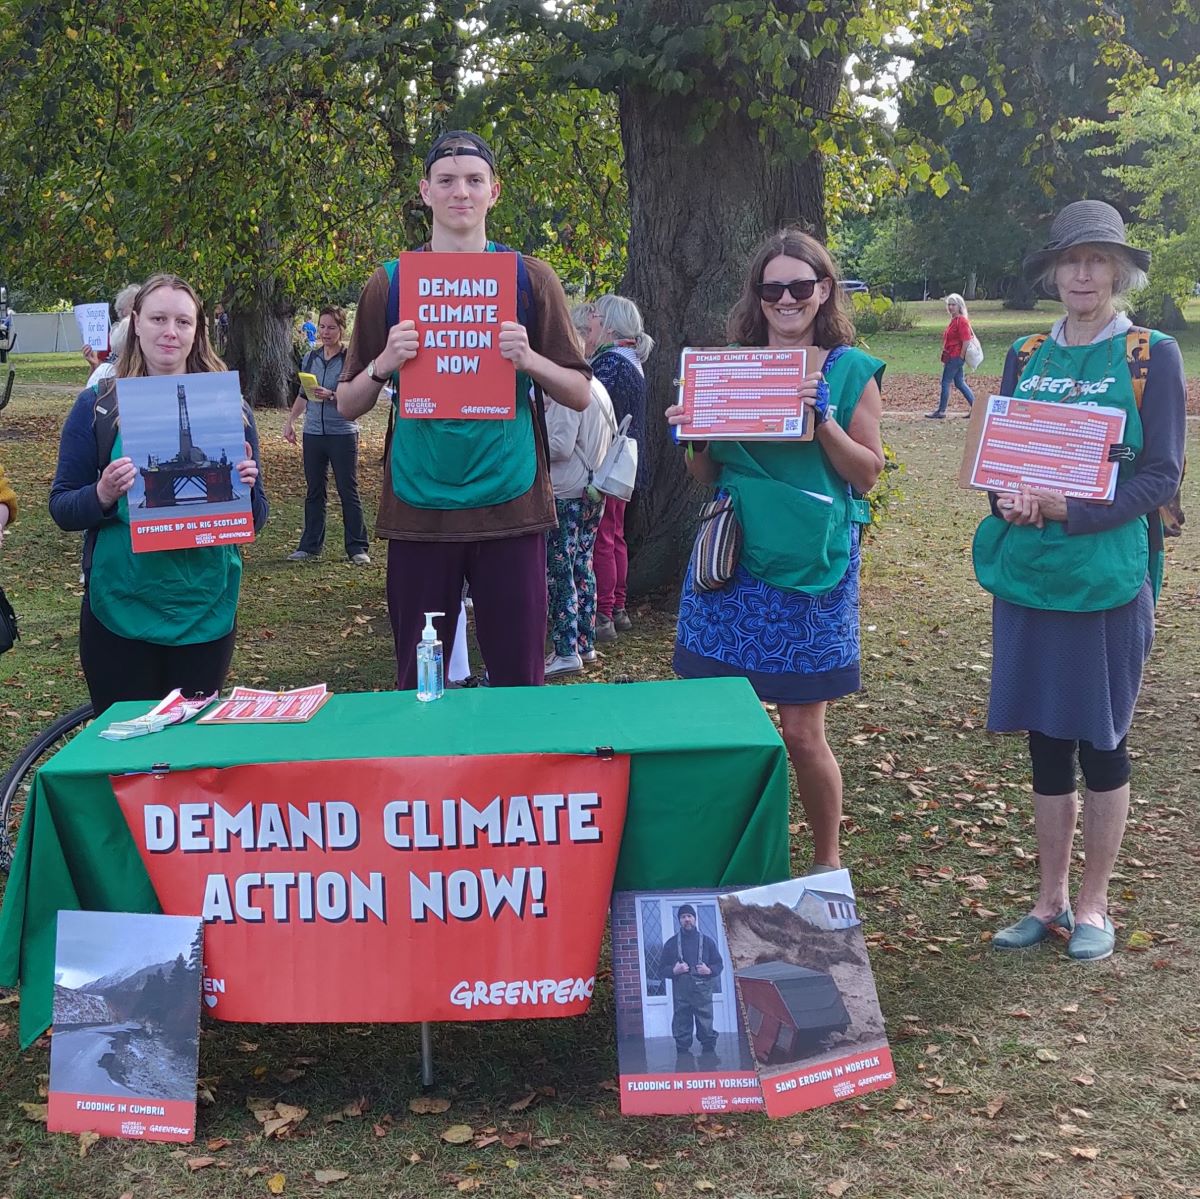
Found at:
<point>185,435</point>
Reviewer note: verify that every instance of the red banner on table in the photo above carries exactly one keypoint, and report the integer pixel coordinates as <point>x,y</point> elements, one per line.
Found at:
<point>1013,443</point>
<point>743,395</point>
<point>389,889</point>
<point>458,302</point>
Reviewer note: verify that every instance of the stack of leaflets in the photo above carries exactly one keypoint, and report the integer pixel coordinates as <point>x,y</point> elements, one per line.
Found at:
<point>175,709</point>
<point>249,706</point>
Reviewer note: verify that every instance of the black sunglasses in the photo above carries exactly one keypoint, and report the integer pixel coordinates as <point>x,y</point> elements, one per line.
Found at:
<point>800,289</point>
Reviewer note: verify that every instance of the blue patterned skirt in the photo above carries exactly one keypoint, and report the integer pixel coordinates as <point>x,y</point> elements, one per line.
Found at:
<point>794,648</point>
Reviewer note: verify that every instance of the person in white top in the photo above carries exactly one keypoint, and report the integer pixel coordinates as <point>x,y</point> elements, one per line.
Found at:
<point>578,443</point>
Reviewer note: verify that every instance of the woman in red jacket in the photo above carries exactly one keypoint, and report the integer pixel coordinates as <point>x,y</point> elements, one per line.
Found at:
<point>958,333</point>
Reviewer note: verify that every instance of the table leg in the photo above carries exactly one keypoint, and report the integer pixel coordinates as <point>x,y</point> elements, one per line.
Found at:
<point>426,1054</point>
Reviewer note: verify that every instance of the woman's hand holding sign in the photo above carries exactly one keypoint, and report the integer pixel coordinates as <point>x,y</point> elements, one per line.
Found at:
<point>115,480</point>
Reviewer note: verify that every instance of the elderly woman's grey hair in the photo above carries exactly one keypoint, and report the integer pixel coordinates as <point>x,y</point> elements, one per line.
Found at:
<point>957,300</point>
<point>620,318</point>
<point>124,301</point>
<point>1128,278</point>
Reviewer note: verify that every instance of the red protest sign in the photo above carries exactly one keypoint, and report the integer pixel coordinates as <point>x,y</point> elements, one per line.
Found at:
<point>458,302</point>
<point>398,889</point>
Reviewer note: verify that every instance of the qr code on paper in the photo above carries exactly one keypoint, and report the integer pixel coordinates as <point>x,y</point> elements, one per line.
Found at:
<point>999,406</point>
<point>793,424</point>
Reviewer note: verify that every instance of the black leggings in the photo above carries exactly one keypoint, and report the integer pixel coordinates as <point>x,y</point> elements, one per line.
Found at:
<point>117,668</point>
<point>1054,772</point>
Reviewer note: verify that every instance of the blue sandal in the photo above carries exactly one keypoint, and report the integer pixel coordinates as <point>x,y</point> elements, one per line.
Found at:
<point>1030,931</point>
<point>1091,944</point>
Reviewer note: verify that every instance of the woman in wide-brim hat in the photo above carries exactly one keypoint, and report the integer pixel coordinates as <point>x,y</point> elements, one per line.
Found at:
<point>1075,581</point>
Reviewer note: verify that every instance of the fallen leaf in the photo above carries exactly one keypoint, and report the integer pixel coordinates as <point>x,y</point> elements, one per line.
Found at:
<point>359,1107</point>
<point>486,1142</point>
<point>838,1187</point>
<point>702,1184</point>
<point>324,1176</point>
<point>199,1163</point>
<point>379,1130</point>
<point>428,1105</point>
<point>86,1141</point>
<point>218,1143</point>
<point>1087,1152</point>
<point>609,1084</point>
<point>620,1162</point>
<point>902,1105</point>
<point>519,1105</point>
<point>994,1106</point>
<point>458,1134</point>
<point>291,1113</point>
<point>247,1047</point>
<point>289,1075</point>
<point>1084,1080</point>
<point>35,1113</point>
<point>1140,941</point>
<point>516,1140</point>
<point>469,1184</point>
<point>1046,1055</point>
<point>276,1183</point>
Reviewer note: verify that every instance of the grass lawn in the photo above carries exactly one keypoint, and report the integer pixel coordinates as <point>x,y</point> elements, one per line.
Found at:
<point>918,350</point>
<point>1028,1076</point>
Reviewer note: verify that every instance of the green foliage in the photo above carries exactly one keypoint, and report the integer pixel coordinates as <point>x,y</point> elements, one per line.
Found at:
<point>887,492</point>
<point>1151,141</point>
<point>877,314</point>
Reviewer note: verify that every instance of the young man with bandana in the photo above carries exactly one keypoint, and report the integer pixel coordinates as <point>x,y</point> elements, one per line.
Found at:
<point>468,500</point>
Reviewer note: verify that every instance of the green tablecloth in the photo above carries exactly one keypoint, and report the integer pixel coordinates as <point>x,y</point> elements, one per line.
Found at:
<point>708,791</point>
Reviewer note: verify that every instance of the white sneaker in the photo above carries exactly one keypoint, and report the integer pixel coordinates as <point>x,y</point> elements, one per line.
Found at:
<point>590,656</point>
<point>567,664</point>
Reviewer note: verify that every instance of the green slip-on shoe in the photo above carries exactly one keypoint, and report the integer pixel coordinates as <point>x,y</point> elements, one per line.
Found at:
<point>1030,931</point>
<point>1091,944</point>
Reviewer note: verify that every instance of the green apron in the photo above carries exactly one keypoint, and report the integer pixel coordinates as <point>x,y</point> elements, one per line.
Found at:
<point>464,463</point>
<point>794,508</point>
<point>1048,568</point>
<point>168,597</point>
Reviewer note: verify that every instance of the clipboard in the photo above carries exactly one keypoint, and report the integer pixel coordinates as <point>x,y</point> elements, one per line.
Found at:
<point>310,383</point>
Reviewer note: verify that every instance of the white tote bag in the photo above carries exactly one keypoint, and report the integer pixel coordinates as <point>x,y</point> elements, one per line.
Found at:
<point>973,352</point>
<point>616,475</point>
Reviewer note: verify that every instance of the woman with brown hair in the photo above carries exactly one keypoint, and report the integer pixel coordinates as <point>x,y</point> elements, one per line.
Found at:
<point>149,622</point>
<point>788,619</point>
<point>330,440</point>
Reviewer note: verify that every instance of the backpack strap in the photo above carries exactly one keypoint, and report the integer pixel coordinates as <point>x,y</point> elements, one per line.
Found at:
<point>1029,347</point>
<point>104,420</point>
<point>1137,356</point>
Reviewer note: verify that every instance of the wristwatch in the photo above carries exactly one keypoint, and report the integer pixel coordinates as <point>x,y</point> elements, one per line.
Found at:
<point>371,372</point>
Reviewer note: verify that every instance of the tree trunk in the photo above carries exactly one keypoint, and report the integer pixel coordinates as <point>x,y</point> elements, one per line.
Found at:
<point>1167,316</point>
<point>696,213</point>
<point>972,283</point>
<point>1022,296</point>
<point>260,347</point>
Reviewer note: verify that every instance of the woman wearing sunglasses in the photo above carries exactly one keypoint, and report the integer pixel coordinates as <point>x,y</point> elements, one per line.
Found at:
<point>788,619</point>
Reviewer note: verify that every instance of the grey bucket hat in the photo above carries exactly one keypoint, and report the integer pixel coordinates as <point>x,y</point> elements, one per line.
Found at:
<point>1086,222</point>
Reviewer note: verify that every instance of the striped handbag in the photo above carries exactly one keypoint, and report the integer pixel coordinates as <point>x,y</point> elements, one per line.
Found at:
<point>718,545</point>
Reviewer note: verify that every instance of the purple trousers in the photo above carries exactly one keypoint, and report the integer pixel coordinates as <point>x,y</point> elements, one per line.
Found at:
<point>507,578</point>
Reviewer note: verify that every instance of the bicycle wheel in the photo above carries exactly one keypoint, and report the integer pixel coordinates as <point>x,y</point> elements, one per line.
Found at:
<point>14,787</point>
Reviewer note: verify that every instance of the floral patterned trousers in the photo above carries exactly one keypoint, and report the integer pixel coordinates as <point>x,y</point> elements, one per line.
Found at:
<point>570,579</point>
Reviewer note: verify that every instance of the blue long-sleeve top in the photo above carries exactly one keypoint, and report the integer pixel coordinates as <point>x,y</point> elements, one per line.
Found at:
<point>627,388</point>
<point>74,503</point>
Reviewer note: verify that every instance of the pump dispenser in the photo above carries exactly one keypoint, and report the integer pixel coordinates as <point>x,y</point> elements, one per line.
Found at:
<point>430,681</point>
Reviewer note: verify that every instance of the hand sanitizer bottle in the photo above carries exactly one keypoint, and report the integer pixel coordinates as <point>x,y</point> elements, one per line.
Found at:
<point>430,684</point>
